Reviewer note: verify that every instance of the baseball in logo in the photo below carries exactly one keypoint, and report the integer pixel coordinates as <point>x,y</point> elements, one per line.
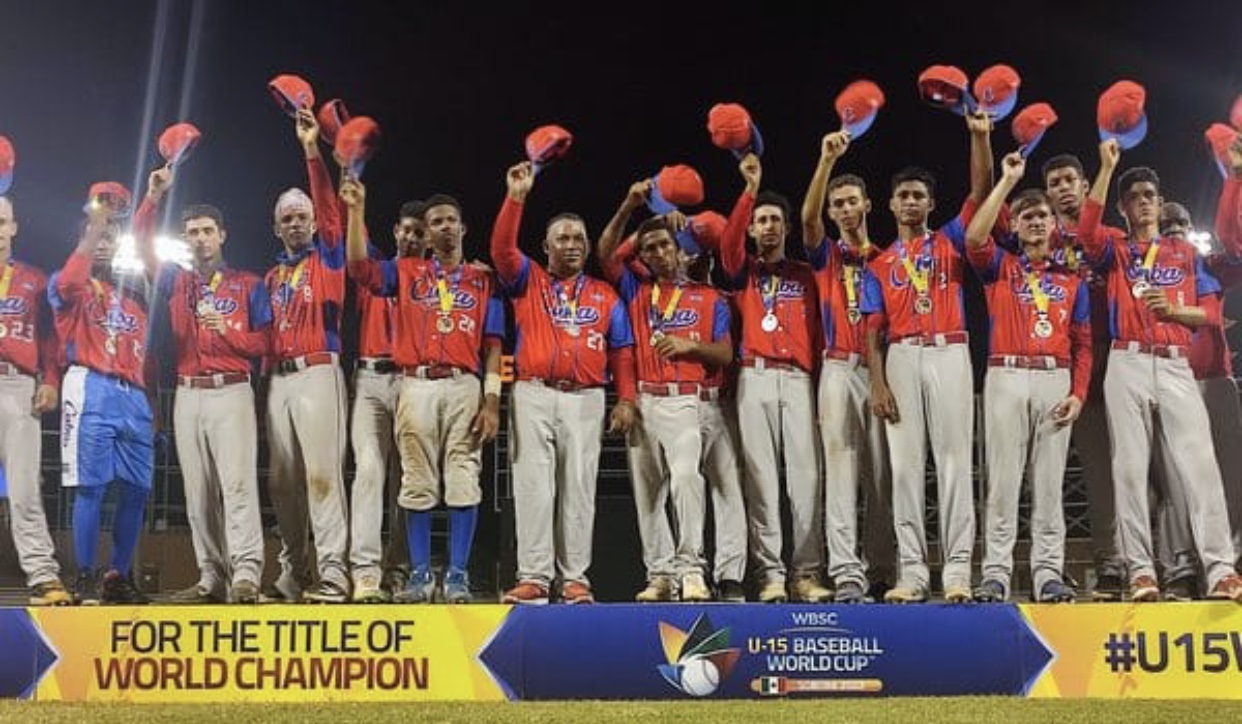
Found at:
<point>699,659</point>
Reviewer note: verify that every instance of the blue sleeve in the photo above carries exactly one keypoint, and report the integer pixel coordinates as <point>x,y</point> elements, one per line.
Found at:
<point>517,286</point>
<point>872,301</point>
<point>619,332</point>
<point>628,285</point>
<point>819,255</point>
<point>721,324</point>
<point>165,277</point>
<point>1082,304</point>
<point>53,296</point>
<point>494,318</point>
<point>955,232</point>
<point>260,304</point>
<point>333,256</point>
<point>390,278</point>
<point>989,273</point>
<point>1205,283</point>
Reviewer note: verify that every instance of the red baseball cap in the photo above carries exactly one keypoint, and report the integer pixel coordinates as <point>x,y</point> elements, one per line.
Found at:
<point>1030,124</point>
<point>547,143</point>
<point>176,142</point>
<point>355,143</point>
<point>674,187</point>
<point>1120,115</point>
<point>734,130</point>
<point>996,88</point>
<point>857,106</point>
<point>291,93</point>
<point>946,86</point>
<point>332,115</point>
<point>8,158</point>
<point>704,231</point>
<point>1219,138</point>
<point>113,194</point>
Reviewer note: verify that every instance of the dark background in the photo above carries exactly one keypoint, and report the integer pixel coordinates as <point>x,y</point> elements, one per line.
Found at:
<point>86,87</point>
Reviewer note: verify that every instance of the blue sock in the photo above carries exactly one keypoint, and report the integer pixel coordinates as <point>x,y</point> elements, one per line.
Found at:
<point>127,524</point>
<point>462,522</point>
<point>418,537</point>
<point>87,510</point>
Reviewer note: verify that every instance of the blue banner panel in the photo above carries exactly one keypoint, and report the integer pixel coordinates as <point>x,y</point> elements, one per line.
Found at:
<point>26,655</point>
<point>741,651</point>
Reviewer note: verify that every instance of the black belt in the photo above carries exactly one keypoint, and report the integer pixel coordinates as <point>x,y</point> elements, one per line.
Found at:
<point>378,365</point>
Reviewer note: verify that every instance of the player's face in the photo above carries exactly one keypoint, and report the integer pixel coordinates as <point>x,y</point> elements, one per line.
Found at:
<point>102,260</point>
<point>444,228</point>
<point>767,228</point>
<point>1140,204</point>
<point>1067,189</point>
<point>295,226</point>
<point>566,247</point>
<point>659,252</point>
<point>911,203</point>
<point>848,208</point>
<point>8,224</point>
<point>1034,225</point>
<point>204,238</point>
<point>1175,223</point>
<point>411,235</point>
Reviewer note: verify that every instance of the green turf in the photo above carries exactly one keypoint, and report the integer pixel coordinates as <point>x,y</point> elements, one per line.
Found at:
<point>842,711</point>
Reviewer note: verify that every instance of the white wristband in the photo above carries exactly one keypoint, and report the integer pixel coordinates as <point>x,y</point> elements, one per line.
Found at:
<point>491,384</point>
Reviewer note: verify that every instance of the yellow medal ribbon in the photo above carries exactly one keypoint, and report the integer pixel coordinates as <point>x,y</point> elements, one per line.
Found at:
<point>849,274</point>
<point>446,299</point>
<point>297,275</point>
<point>671,307</point>
<point>6,280</point>
<point>1149,259</point>
<point>919,280</point>
<point>1037,291</point>
<point>216,278</point>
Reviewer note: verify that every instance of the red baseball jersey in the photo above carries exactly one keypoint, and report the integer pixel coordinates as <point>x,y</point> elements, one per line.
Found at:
<point>238,296</point>
<point>307,288</point>
<point>1176,268</point>
<point>27,332</point>
<point>1210,356</point>
<point>839,271</point>
<point>1229,215</point>
<point>688,309</point>
<point>888,289</point>
<point>425,334</point>
<point>565,327</point>
<point>375,323</point>
<point>1013,314</point>
<point>102,323</point>
<point>778,303</point>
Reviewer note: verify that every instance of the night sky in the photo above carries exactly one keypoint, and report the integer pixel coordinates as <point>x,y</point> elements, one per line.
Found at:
<point>456,87</point>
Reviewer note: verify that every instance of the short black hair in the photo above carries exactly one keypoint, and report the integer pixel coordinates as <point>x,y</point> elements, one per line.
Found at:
<point>772,198</point>
<point>916,173</point>
<point>439,200</point>
<point>655,223</point>
<point>1136,175</point>
<point>1060,161</point>
<point>412,210</point>
<point>202,211</point>
<point>847,179</point>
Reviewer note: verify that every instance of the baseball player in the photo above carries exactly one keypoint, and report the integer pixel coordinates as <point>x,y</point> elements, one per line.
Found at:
<point>779,343</point>
<point>29,377</point>
<point>913,290</point>
<point>1066,184</point>
<point>107,434</point>
<point>1039,364</point>
<point>448,328</point>
<point>306,389</point>
<point>572,330</point>
<point>854,448</point>
<point>1155,288</point>
<point>377,381</point>
<point>681,332</point>
<point>216,321</point>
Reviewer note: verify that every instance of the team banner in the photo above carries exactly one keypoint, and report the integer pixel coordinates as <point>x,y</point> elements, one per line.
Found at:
<point>488,652</point>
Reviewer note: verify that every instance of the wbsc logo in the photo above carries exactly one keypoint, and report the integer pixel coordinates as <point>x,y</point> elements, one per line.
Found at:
<point>698,660</point>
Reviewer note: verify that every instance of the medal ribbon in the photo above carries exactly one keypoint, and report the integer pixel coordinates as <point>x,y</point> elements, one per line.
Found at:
<point>6,280</point>
<point>769,285</point>
<point>659,319</point>
<point>564,302</point>
<point>1067,247</point>
<point>297,276</point>
<point>446,293</point>
<point>1149,259</point>
<point>1035,284</point>
<point>850,272</point>
<point>917,278</point>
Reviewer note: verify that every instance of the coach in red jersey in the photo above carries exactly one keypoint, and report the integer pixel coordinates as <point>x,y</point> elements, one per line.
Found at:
<point>448,329</point>
<point>924,389</point>
<point>776,410</point>
<point>216,321</point>
<point>572,331</point>
<point>855,447</point>
<point>1156,286</point>
<point>29,378</point>
<point>306,391</point>
<point>681,340</point>
<point>1039,365</point>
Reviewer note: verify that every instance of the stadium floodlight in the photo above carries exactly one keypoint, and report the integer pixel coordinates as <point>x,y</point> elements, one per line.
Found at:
<point>1202,241</point>
<point>167,249</point>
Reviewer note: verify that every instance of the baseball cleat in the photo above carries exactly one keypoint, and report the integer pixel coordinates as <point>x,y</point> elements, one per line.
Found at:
<point>906,594</point>
<point>1056,591</point>
<point>527,592</point>
<point>990,591</point>
<point>244,592</point>
<point>729,591</point>
<point>807,589</point>
<point>117,588</point>
<point>1144,589</point>
<point>773,592</point>
<point>421,588</point>
<point>849,592</point>
<point>694,588</point>
<point>1228,588</point>
<point>50,593</point>
<point>326,592</point>
<point>659,589</point>
<point>367,589</point>
<point>576,592</point>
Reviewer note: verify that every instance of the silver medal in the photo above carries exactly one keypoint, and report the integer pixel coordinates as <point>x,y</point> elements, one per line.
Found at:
<point>205,307</point>
<point>444,324</point>
<point>1139,289</point>
<point>1043,329</point>
<point>656,336</point>
<point>853,315</point>
<point>769,322</point>
<point>923,305</point>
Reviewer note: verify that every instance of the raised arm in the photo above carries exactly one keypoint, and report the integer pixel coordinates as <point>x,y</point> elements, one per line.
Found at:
<point>74,279</point>
<point>1094,242</point>
<point>980,228</point>
<point>1229,209</point>
<point>327,212</point>
<point>733,241</point>
<point>832,147</point>
<point>506,256</point>
<point>980,126</point>
<point>158,183</point>
<point>610,237</point>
